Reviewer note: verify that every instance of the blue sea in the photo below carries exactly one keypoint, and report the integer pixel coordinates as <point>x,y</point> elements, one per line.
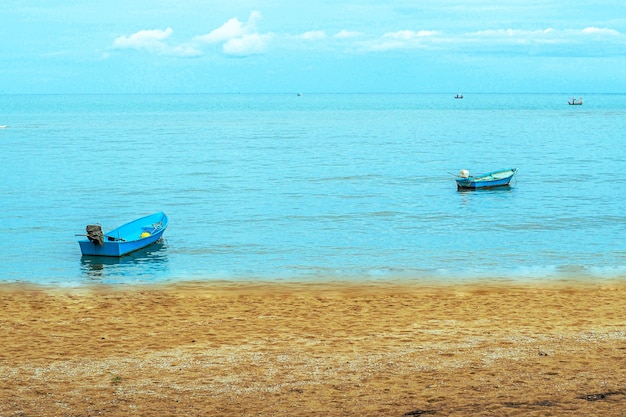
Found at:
<point>314,187</point>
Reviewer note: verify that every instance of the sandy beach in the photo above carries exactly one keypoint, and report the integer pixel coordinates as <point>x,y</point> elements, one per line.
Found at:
<point>314,349</point>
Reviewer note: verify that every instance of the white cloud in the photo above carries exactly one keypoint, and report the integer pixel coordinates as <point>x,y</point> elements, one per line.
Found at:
<point>235,38</point>
<point>404,39</point>
<point>409,34</point>
<point>153,41</point>
<point>513,37</point>
<point>238,38</point>
<point>313,35</point>
<point>242,38</point>
<point>345,34</point>
<point>600,31</point>
<point>549,42</point>
<point>511,33</point>
<point>229,30</point>
<point>246,45</point>
<point>144,39</point>
<point>584,39</point>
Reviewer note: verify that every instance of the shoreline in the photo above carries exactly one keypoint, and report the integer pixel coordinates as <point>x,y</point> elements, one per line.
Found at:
<point>436,280</point>
<point>315,348</point>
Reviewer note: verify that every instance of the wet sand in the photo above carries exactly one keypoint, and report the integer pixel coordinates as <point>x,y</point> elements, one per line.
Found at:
<point>340,349</point>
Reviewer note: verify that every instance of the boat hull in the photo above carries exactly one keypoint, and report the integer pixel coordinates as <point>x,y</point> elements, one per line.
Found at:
<point>501,178</point>
<point>128,238</point>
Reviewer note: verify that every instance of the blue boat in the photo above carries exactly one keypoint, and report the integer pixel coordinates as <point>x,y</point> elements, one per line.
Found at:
<point>498,178</point>
<point>125,239</point>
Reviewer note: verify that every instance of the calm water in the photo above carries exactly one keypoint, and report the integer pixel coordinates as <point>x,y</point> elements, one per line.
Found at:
<point>314,187</point>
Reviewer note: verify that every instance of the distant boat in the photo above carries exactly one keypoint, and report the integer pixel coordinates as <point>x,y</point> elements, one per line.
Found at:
<point>299,94</point>
<point>491,179</point>
<point>125,239</point>
<point>459,96</point>
<point>575,102</point>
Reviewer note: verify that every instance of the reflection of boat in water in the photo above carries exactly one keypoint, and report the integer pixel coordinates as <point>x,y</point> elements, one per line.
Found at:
<point>575,102</point>
<point>146,264</point>
<point>491,179</point>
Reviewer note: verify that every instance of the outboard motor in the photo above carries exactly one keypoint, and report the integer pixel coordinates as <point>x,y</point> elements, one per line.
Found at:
<point>94,234</point>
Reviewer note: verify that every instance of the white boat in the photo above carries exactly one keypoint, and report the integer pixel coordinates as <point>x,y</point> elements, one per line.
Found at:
<point>499,178</point>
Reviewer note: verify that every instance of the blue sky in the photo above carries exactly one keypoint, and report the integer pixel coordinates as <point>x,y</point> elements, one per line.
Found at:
<point>287,46</point>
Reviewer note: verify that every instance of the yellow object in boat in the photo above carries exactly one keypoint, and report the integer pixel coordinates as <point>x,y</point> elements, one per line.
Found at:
<point>144,235</point>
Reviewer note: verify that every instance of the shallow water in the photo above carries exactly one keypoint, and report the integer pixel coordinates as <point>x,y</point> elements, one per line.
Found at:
<point>314,187</point>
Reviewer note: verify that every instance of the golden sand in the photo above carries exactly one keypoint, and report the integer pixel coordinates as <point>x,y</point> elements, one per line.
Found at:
<point>323,349</point>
